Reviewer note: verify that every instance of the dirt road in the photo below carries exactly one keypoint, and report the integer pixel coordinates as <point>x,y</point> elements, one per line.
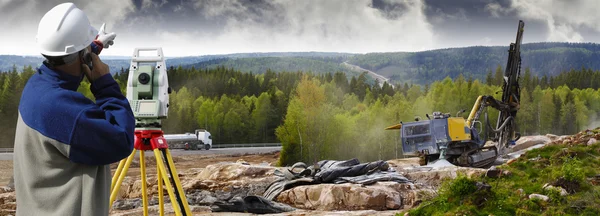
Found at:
<point>379,78</point>
<point>184,160</point>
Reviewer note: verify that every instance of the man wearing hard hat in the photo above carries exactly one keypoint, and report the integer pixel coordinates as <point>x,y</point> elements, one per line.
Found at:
<point>64,142</point>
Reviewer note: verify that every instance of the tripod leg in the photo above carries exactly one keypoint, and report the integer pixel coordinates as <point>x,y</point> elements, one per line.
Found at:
<point>144,187</point>
<point>117,173</point>
<point>163,172</point>
<point>182,199</point>
<point>161,201</point>
<point>115,190</point>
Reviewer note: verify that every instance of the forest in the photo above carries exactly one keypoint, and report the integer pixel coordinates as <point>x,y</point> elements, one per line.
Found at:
<point>331,115</point>
<point>544,59</point>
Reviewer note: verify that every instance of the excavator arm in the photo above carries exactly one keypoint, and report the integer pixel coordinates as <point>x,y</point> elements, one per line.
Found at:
<point>505,130</point>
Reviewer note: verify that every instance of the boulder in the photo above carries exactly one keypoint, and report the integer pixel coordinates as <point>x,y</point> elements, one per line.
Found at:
<point>346,196</point>
<point>539,196</point>
<point>333,197</point>
<point>561,190</point>
<point>434,177</point>
<point>234,171</point>
<point>592,141</point>
<point>528,141</point>
<point>229,177</point>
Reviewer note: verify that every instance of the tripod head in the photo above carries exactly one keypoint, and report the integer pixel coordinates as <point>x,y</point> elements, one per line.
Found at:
<point>148,88</point>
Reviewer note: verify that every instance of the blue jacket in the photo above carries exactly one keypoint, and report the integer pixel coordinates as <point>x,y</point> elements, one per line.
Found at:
<point>65,142</point>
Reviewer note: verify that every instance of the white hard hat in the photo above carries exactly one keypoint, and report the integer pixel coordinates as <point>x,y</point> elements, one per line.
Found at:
<point>64,30</point>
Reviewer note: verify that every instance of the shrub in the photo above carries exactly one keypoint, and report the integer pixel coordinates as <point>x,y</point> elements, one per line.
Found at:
<point>572,170</point>
<point>458,188</point>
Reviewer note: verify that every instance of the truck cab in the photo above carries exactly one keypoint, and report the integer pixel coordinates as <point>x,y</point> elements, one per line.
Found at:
<point>204,137</point>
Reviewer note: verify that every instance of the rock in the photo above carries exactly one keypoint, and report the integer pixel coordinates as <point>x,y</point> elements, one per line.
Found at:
<point>521,192</point>
<point>539,196</point>
<point>225,180</point>
<point>493,172</point>
<point>11,183</point>
<point>6,189</point>
<point>435,177</point>
<point>528,141</point>
<point>219,181</point>
<point>234,171</point>
<point>9,206</point>
<point>412,194</point>
<point>125,188</point>
<point>552,137</point>
<point>135,190</point>
<point>7,197</point>
<point>401,164</point>
<point>8,212</point>
<point>201,197</point>
<point>242,161</point>
<point>328,197</point>
<point>127,204</point>
<point>483,186</point>
<point>592,141</point>
<point>561,190</point>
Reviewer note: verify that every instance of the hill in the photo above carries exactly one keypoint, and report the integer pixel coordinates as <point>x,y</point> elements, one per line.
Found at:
<point>246,62</point>
<point>549,59</point>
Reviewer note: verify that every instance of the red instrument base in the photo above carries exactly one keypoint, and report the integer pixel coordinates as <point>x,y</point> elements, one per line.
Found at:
<point>149,140</point>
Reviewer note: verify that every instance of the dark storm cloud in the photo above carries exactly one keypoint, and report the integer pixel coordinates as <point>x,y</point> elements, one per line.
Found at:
<point>194,27</point>
<point>390,9</point>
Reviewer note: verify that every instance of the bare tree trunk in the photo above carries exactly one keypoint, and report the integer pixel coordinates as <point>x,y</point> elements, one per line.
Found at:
<point>299,135</point>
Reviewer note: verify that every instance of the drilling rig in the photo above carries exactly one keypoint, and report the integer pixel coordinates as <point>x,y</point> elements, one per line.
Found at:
<point>456,139</point>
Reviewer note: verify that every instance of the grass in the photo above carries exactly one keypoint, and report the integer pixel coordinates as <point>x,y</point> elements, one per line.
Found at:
<point>567,165</point>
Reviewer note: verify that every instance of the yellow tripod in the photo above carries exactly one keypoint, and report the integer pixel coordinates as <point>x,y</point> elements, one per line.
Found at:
<point>153,140</point>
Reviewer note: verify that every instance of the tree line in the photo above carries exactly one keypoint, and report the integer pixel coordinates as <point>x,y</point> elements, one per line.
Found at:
<point>238,107</point>
<point>546,58</point>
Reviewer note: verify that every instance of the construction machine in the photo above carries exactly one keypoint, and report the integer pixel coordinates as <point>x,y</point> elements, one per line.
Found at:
<point>457,140</point>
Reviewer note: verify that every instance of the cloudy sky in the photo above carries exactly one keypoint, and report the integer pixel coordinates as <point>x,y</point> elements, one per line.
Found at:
<point>201,27</point>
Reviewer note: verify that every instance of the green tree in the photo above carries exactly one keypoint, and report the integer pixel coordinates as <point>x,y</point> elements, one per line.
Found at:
<point>499,76</point>
<point>548,113</point>
<point>260,116</point>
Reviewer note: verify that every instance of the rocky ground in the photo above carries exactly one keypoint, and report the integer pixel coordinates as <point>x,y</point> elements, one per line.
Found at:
<point>207,179</point>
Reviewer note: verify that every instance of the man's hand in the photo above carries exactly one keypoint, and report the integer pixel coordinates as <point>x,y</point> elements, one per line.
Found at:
<point>100,69</point>
<point>107,39</point>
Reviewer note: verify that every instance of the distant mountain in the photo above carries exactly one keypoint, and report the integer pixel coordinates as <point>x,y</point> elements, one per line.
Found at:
<point>8,61</point>
<point>425,67</point>
<point>117,62</point>
<point>261,64</point>
<point>415,67</point>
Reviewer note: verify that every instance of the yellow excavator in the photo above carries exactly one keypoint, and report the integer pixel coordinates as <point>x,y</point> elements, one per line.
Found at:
<point>456,139</point>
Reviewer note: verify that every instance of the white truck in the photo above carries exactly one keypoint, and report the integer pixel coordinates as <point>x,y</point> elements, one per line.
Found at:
<point>188,141</point>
